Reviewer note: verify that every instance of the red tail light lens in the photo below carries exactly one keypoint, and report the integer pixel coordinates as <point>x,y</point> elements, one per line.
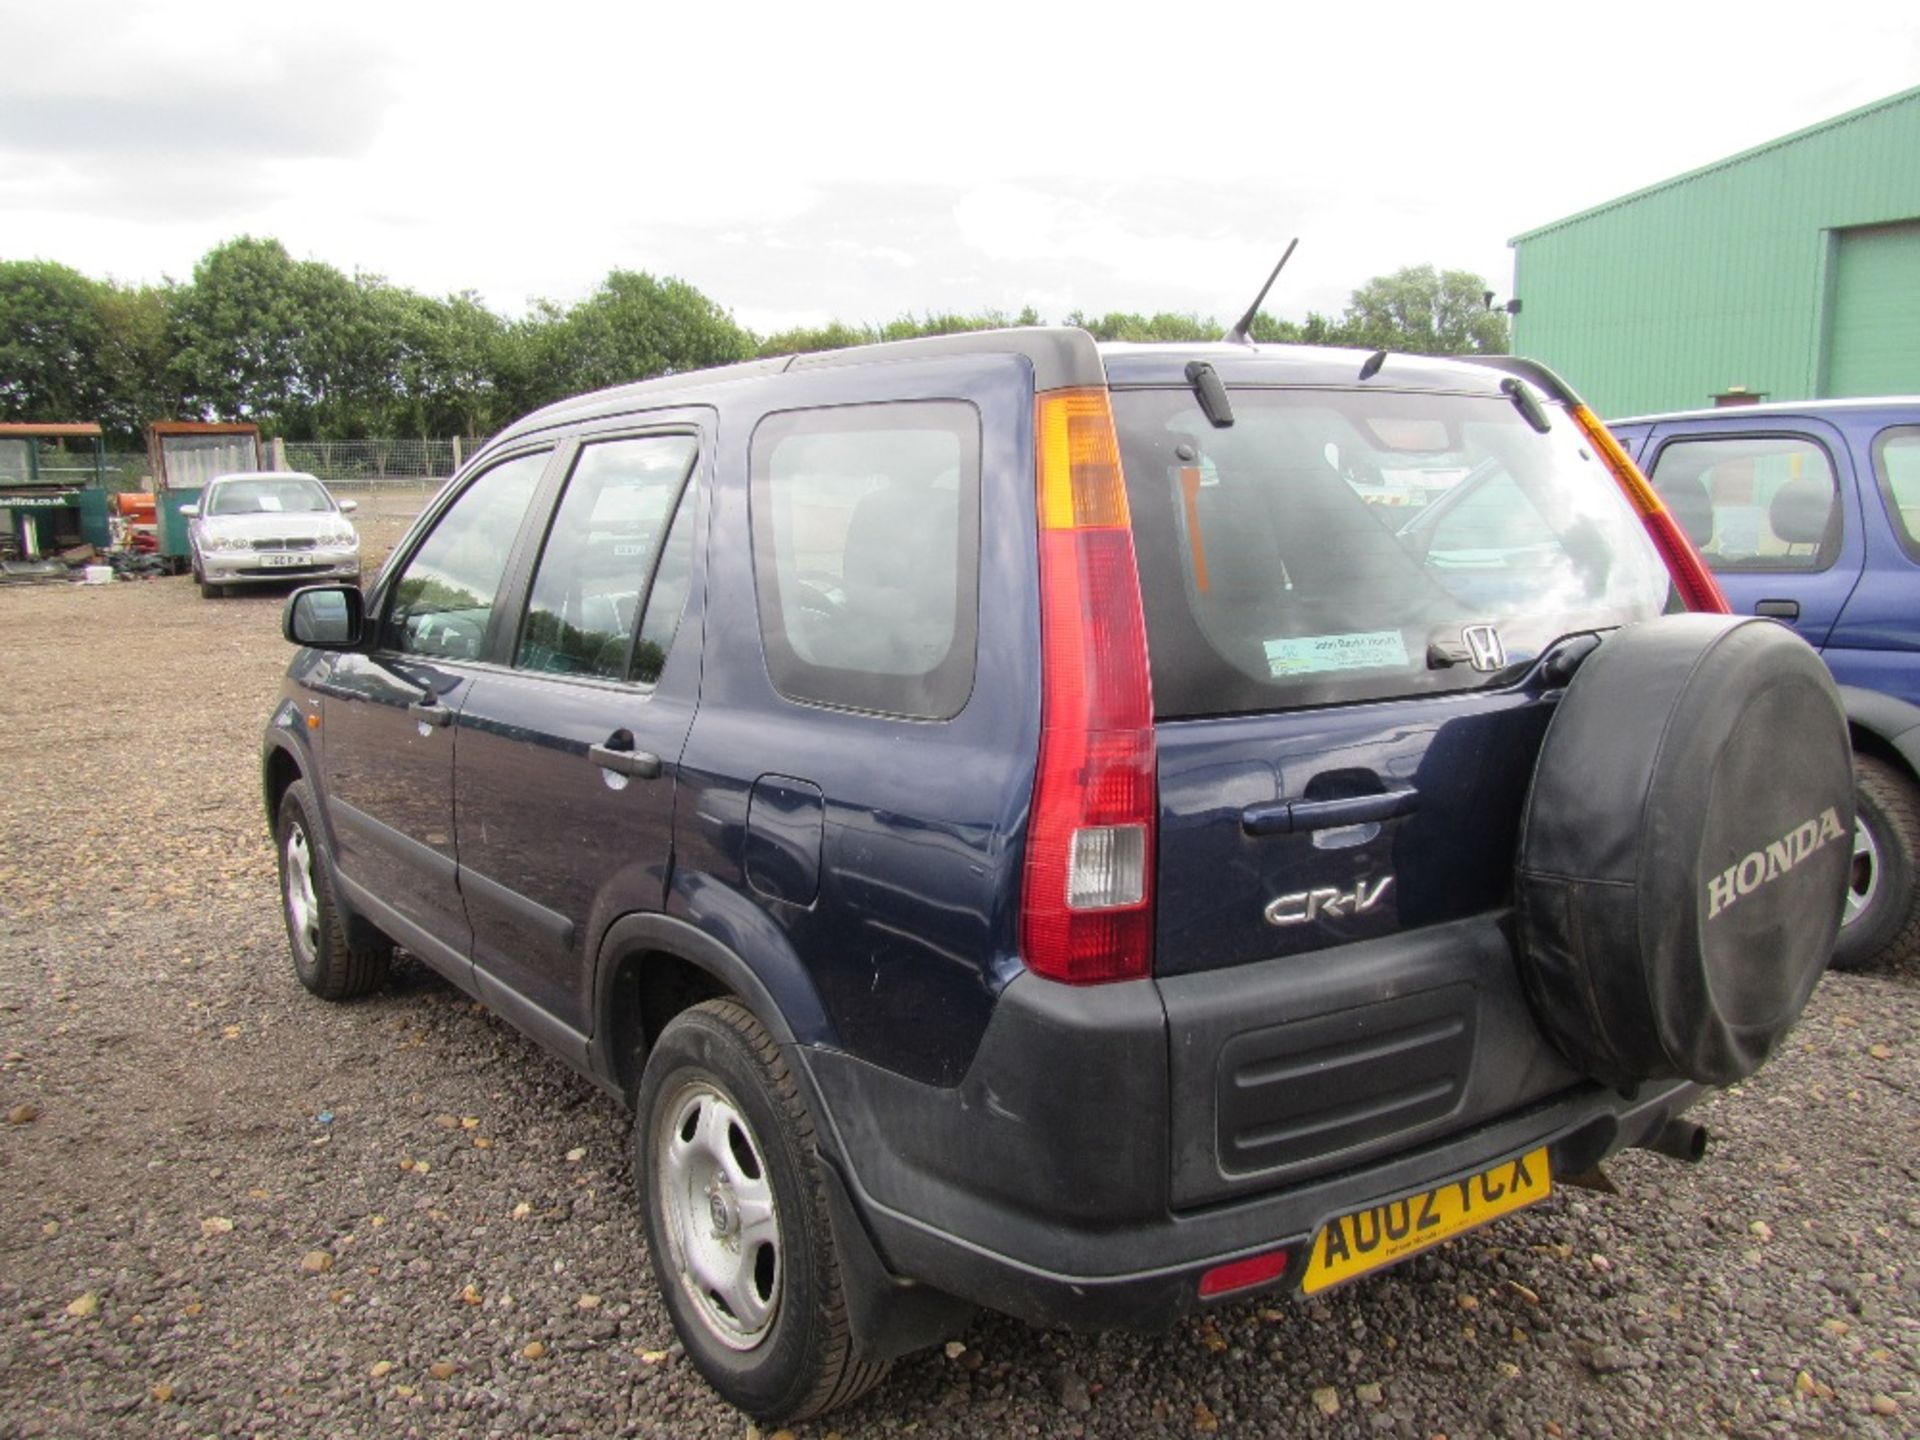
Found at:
<point>1690,574</point>
<point>1087,909</point>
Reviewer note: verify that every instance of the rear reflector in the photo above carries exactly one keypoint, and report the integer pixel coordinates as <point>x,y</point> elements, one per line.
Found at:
<point>1690,574</point>
<point>1243,1274</point>
<point>1087,908</point>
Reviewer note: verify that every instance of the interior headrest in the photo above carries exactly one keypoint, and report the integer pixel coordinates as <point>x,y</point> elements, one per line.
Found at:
<point>1687,499</point>
<point>1801,510</point>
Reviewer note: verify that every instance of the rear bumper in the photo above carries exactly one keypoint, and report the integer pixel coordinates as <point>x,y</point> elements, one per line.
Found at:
<point>1041,1185</point>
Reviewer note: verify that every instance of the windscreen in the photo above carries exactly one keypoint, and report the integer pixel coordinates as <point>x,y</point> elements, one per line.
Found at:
<point>270,497</point>
<point>1338,546</point>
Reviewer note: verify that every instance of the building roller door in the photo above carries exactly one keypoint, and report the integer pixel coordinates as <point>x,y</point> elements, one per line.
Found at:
<point>1873,344</point>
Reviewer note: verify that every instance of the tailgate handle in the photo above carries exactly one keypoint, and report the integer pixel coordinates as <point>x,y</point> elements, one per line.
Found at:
<point>1779,609</point>
<point>1292,817</point>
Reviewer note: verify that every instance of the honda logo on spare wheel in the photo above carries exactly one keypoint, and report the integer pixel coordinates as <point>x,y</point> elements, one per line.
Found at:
<point>1483,647</point>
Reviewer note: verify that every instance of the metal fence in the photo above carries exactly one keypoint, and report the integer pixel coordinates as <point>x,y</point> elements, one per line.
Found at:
<point>418,463</point>
<point>120,470</point>
<point>354,464</point>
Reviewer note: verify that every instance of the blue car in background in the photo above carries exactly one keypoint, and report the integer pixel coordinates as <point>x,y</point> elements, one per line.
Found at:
<point>1810,513</point>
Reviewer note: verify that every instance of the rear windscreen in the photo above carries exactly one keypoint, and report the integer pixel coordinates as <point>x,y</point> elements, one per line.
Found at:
<point>1337,546</point>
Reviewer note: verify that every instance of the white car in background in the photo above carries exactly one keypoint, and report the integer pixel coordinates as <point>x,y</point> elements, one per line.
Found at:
<point>266,526</point>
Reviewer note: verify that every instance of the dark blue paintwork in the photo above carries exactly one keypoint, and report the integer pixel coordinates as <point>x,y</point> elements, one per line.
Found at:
<point>1467,758</point>
<point>913,930</point>
<point>1863,612</point>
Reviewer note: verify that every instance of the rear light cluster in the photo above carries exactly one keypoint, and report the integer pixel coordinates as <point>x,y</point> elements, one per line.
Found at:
<point>1087,912</point>
<point>1691,577</point>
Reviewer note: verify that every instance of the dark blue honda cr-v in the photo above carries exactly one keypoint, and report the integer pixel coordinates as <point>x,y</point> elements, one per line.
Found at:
<point>1082,830</point>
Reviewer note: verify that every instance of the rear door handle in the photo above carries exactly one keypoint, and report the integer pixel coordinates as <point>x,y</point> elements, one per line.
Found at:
<point>1778,609</point>
<point>430,712</point>
<point>624,759</point>
<point>1293,817</point>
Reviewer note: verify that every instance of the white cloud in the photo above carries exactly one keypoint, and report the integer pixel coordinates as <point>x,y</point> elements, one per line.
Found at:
<point>855,162</point>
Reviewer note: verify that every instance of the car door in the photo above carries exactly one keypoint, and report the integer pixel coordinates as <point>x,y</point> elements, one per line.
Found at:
<point>567,747</point>
<point>387,712</point>
<point>1771,505</point>
<point>1876,642</point>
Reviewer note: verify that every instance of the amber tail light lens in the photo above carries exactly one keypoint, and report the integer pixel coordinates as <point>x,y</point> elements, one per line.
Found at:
<point>1691,577</point>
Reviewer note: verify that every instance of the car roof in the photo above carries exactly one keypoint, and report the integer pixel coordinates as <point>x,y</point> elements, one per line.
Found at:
<point>1849,405</point>
<point>1061,356</point>
<point>264,475</point>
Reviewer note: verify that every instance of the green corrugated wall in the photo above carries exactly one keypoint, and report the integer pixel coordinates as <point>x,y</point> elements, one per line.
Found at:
<point>1739,274</point>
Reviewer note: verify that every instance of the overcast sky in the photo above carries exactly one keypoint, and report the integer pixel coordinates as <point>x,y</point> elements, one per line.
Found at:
<point>806,162</point>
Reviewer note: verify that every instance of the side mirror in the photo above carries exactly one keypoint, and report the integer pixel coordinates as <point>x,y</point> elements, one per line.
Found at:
<point>347,507</point>
<point>192,512</point>
<point>326,617</point>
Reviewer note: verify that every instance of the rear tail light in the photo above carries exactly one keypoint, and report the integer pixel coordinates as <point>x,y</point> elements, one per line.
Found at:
<point>1087,910</point>
<point>1691,577</point>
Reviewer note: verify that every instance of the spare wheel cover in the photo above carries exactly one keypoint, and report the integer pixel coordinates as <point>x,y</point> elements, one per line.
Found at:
<point>1685,848</point>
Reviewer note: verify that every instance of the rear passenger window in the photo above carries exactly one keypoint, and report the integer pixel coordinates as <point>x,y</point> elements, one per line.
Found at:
<point>444,597</point>
<point>1896,458</point>
<point>866,523</point>
<point>1761,502</point>
<point>599,559</point>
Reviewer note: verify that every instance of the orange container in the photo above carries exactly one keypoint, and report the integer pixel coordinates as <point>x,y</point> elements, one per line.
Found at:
<point>136,507</point>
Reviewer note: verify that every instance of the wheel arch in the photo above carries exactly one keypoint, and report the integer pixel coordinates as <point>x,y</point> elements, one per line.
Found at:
<point>653,966</point>
<point>279,768</point>
<point>1884,726</point>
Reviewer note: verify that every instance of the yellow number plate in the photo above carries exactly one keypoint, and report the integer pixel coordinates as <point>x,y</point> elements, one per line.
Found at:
<point>1382,1234</point>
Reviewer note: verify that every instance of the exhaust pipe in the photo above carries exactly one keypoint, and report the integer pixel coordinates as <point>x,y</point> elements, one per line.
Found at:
<point>1679,1139</point>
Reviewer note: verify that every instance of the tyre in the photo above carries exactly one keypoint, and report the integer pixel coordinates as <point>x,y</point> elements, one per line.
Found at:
<point>1882,920</point>
<point>1685,850</point>
<point>736,1218</point>
<point>326,956</point>
<point>207,591</point>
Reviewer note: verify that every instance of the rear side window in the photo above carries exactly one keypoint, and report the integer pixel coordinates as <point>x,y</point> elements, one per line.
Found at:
<point>601,552</point>
<point>1337,546</point>
<point>1753,502</point>
<point>866,541</point>
<point>443,599</point>
<point>1896,460</point>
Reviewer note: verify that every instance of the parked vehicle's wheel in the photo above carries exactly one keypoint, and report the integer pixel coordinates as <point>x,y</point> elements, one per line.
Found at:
<point>325,956</point>
<point>1882,920</point>
<point>207,592</point>
<point>736,1218</point>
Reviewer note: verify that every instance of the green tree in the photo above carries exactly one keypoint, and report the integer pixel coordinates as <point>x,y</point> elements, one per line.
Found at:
<point>50,343</point>
<point>238,332</point>
<point>634,327</point>
<point>136,358</point>
<point>1422,311</point>
<point>293,345</point>
<point>804,339</point>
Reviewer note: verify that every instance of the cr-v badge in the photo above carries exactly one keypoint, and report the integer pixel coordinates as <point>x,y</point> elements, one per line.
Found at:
<point>1307,905</point>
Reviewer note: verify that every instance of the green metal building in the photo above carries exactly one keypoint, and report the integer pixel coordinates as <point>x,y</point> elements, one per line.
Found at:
<point>1790,270</point>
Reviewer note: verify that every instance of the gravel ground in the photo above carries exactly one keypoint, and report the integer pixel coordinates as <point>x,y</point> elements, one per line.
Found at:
<point>229,1209</point>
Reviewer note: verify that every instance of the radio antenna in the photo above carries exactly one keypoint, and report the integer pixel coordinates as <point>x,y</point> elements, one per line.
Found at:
<point>1238,334</point>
